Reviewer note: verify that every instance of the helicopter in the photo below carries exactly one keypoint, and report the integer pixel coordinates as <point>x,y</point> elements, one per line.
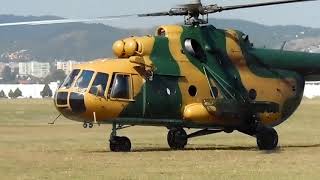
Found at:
<point>191,76</point>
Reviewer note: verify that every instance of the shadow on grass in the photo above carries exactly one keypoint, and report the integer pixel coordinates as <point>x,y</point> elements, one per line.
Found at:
<point>217,148</point>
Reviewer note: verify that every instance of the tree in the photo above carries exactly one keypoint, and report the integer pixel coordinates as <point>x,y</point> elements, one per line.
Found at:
<point>46,92</point>
<point>7,75</point>
<point>17,93</point>
<point>56,75</point>
<point>11,94</point>
<point>2,94</point>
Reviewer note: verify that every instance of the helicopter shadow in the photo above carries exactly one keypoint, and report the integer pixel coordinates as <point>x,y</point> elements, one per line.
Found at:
<point>216,148</point>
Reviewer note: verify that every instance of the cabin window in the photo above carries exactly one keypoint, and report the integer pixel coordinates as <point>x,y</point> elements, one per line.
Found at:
<point>70,79</point>
<point>194,49</point>
<point>121,87</point>
<point>84,79</point>
<point>99,84</point>
<point>192,91</point>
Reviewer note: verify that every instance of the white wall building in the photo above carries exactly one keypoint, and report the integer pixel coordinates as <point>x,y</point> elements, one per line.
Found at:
<point>66,66</point>
<point>36,69</point>
<point>312,89</point>
<point>28,90</point>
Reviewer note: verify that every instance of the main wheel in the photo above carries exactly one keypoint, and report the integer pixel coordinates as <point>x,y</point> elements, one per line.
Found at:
<point>125,144</point>
<point>267,138</point>
<point>177,138</point>
<point>120,144</point>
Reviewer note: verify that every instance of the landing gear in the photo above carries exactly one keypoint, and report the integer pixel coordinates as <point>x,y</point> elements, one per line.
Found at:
<point>177,138</point>
<point>267,138</point>
<point>90,125</point>
<point>87,125</point>
<point>117,143</point>
<point>120,144</point>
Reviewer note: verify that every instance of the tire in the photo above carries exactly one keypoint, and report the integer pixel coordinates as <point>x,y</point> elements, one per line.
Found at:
<point>177,138</point>
<point>114,144</point>
<point>125,144</point>
<point>267,138</point>
<point>85,125</point>
<point>90,125</point>
<point>120,144</point>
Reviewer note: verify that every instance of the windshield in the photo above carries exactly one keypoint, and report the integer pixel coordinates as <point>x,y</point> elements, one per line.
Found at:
<point>120,87</point>
<point>84,79</point>
<point>99,84</point>
<point>69,80</point>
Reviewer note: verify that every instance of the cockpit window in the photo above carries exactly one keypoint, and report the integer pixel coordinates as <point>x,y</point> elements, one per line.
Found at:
<point>69,80</point>
<point>121,87</point>
<point>84,79</point>
<point>99,84</point>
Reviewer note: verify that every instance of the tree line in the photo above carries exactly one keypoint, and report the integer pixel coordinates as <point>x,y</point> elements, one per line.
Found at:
<point>46,92</point>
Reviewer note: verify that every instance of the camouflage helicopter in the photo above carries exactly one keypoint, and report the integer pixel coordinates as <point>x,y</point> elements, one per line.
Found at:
<point>188,76</point>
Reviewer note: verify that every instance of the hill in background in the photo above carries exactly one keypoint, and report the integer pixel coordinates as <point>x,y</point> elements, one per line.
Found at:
<point>82,41</point>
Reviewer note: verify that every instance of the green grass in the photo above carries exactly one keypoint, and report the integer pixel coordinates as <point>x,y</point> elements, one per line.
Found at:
<point>32,149</point>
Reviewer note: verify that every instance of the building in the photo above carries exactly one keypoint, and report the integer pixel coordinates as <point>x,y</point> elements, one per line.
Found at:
<point>312,89</point>
<point>66,66</point>
<point>33,68</point>
<point>2,66</point>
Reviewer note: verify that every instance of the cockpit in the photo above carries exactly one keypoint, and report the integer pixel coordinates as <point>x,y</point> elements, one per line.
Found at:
<point>81,81</point>
<point>70,98</point>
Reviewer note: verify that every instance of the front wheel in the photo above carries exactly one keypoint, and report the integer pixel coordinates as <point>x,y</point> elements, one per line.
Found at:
<point>120,144</point>
<point>267,138</point>
<point>177,138</point>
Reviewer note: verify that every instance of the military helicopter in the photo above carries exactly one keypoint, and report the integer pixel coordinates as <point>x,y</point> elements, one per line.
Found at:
<point>188,76</point>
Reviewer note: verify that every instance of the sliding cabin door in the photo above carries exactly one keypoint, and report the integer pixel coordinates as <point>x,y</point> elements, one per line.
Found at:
<point>163,97</point>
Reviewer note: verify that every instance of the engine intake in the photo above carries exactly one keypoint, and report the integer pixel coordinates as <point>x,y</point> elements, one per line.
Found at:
<point>134,46</point>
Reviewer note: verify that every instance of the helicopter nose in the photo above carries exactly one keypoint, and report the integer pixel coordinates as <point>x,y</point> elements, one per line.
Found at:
<point>70,101</point>
<point>76,101</point>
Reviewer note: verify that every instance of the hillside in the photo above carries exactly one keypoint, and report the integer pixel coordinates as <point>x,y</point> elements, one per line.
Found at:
<point>88,41</point>
<point>267,36</point>
<point>61,41</point>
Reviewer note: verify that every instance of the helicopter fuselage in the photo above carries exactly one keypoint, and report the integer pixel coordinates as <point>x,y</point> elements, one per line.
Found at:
<point>188,76</point>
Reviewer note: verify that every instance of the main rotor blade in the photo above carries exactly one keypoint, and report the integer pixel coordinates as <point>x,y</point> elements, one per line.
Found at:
<point>64,21</point>
<point>173,12</point>
<point>154,14</point>
<point>225,8</point>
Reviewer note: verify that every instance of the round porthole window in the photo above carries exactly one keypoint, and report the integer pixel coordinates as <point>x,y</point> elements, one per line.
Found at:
<point>192,91</point>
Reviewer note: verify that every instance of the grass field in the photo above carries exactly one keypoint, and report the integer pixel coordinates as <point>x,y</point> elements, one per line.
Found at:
<point>32,149</point>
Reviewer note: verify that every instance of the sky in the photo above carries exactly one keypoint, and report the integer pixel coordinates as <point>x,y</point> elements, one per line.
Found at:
<point>305,14</point>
